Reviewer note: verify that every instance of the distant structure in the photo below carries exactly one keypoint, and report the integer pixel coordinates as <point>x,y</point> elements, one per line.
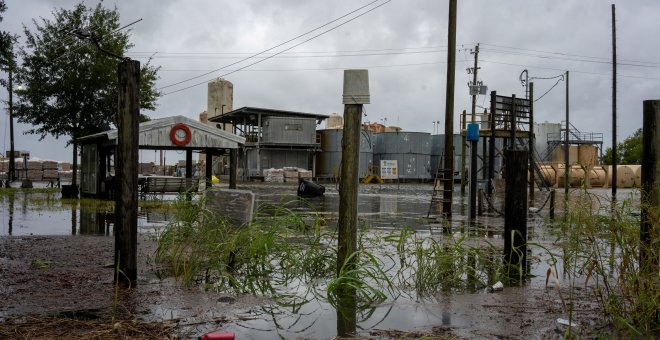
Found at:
<point>274,139</point>
<point>220,99</point>
<point>334,121</point>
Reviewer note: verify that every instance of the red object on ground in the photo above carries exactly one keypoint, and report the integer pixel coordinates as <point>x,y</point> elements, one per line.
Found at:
<point>218,336</point>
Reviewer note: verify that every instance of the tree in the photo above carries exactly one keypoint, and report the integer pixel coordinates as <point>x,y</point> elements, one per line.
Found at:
<point>71,87</point>
<point>628,152</point>
<point>6,42</point>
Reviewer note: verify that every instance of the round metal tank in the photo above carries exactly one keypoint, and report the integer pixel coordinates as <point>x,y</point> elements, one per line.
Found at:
<point>411,150</point>
<point>625,176</point>
<point>576,175</point>
<point>637,175</point>
<point>587,155</point>
<point>597,176</point>
<point>549,174</point>
<point>329,160</point>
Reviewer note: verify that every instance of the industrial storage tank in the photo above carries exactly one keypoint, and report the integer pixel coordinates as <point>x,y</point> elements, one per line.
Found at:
<point>411,150</point>
<point>637,175</point>
<point>544,132</point>
<point>438,150</point>
<point>625,176</point>
<point>329,160</point>
<point>549,174</point>
<point>576,175</point>
<point>597,177</point>
<point>587,155</point>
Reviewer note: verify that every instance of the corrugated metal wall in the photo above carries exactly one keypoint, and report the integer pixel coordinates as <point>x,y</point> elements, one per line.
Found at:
<point>329,160</point>
<point>288,130</point>
<point>411,150</point>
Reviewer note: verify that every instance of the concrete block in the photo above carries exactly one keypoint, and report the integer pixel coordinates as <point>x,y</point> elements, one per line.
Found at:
<point>236,205</point>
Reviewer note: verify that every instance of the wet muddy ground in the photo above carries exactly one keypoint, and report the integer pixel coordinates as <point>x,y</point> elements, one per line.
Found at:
<point>55,261</point>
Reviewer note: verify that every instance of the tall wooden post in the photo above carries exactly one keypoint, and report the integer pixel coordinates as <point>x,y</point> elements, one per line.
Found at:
<point>532,162</point>
<point>491,144</point>
<point>189,164</point>
<point>126,205</point>
<point>209,168</point>
<point>464,178</point>
<point>356,93</point>
<point>448,187</point>
<point>650,219</point>
<point>515,207</point>
<point>567,163</point>
<point>614,151</point>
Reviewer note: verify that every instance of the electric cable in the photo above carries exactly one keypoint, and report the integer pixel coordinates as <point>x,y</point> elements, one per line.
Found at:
<point>271,48</point>
<point>548,91</point>
<point>287,49</point>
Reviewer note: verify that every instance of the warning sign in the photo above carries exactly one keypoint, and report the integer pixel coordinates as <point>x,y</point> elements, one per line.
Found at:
<point>388,169</point>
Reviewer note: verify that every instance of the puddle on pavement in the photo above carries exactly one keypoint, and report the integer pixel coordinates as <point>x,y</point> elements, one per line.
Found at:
<point>385,207</point>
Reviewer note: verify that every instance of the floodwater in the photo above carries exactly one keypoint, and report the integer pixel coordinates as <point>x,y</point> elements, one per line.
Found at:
<point>387,206</point>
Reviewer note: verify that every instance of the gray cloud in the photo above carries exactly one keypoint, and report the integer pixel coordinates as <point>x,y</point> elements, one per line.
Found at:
<point>411,96</point>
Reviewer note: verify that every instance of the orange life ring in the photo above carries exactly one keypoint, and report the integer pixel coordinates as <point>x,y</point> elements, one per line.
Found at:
<point>177,141</point>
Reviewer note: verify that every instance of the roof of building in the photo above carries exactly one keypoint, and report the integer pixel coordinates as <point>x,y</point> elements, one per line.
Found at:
<point>243,114</point>
<point>156,134</point>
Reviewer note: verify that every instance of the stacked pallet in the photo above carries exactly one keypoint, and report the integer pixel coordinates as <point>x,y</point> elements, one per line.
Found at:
<point>50,170</point>
<point>35,170</point>
<point>146,168</point>
<point>274,175</point>
<point>4,166</point>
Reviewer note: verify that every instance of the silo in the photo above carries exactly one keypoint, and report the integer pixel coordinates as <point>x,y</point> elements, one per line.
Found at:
<point>334,121</point>
<point>220,98</point>
<point>411,150</point>
<point>587,155</point>
<point>329,160</point>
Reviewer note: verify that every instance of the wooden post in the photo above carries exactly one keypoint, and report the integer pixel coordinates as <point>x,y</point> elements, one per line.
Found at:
<point>515,207</point>
<point>532,153</point>
<point>480,205</point>
<point>464,179</point>
<point>552,204</point>
<point>126,206</point>
<point>233,165</point>
<point>209,168</point>
<point>614,146</point>
<point>650,219</point>
<point>348,184</point>
<point>491,143</point>
<point>189,164</point>
<point>567,164</point>
<point>448,187</point>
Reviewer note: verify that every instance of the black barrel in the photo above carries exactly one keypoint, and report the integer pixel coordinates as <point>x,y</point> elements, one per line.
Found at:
<point>308,188</point>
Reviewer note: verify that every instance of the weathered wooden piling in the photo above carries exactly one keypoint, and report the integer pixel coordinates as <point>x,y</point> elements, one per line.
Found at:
<point>515,207</point>
<point>480,205</point>
<point>233,164</point>
<point>126,164</point>
<point>552,204</point>
<point>650,217</point>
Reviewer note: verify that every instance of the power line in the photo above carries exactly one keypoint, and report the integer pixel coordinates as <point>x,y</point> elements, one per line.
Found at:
<point>548,91</point>
<point>572,55</point>
<point>287,49</point>
<point>274,47</point>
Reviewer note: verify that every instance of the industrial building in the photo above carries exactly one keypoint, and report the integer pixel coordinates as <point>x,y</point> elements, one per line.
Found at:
<point>273,138</point>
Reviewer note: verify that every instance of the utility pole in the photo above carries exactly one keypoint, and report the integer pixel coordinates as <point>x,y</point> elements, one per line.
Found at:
<point>447,192</point>
<point>474,107</point>
<point>614,154</point>
<point>566,146</point>
<point>12,167</point>
<point>474,140</point>
<point>532,162</point>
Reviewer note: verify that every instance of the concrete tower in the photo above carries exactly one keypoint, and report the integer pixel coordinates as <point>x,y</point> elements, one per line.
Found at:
<point>220,97</point>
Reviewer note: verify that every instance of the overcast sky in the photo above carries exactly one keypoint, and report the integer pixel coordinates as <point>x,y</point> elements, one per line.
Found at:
<point>403,44</point>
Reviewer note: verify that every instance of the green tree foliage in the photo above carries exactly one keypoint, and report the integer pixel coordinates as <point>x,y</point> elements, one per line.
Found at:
<point>628,152</point>
<point>70,85</point>
<point>6,45</point>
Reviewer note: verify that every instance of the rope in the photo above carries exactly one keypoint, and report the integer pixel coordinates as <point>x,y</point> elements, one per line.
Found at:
<point>547,198</point>
<point>491,205</point>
